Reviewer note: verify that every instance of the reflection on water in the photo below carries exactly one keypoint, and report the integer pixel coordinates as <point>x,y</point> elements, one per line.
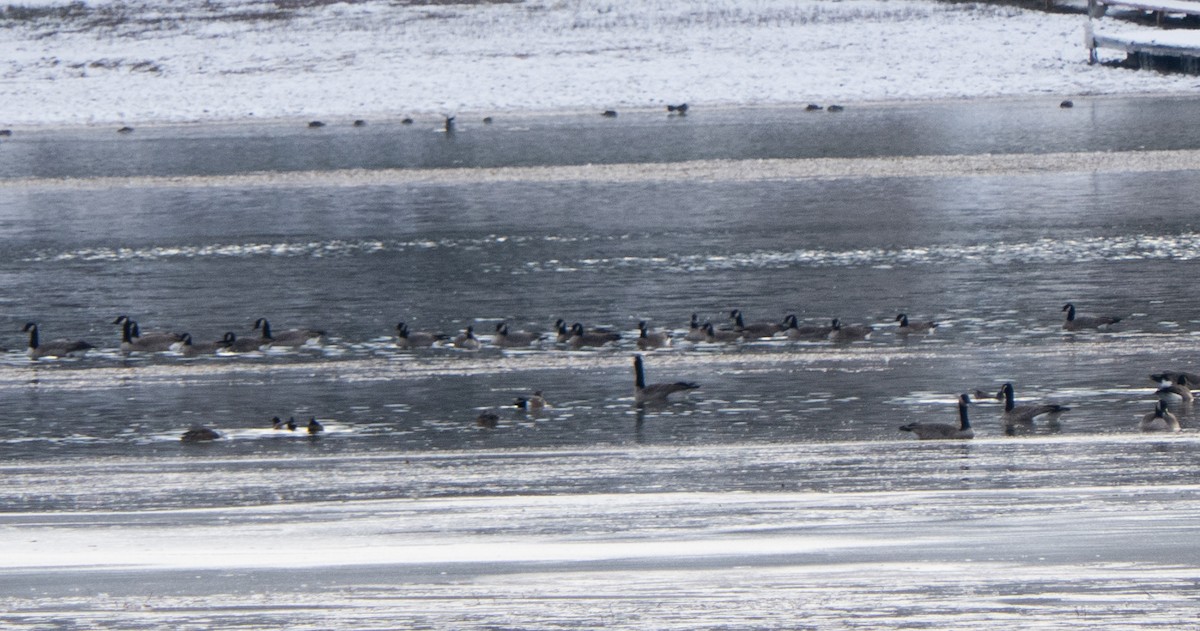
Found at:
<point>991,257</point>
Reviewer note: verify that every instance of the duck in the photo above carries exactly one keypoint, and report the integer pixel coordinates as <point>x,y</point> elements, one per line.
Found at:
<point>147,341</point>
<point>188,348</point>
<point>655,392</point>
<point>1177,392</point>
<point>290,337</point>
<point>848,333</point>
<point>505,338</point>
<point>810,332</point>
<point>1024,415</point>
<point>199,434</point>
<point>720,336</point>
<point>1160,420</point>
<point>648,340</point>
<point>754,329</point>
<point>314,427</point>
<point>417,339</point>
<point>467,340</point>
<point>535,402</point>
<point>945,431</point>
<point>907,326</point>
<point>679,110</point>
<point>1080,323</point>
<point>54,348</point>
<point>696,331</point>
<point>580,338</point>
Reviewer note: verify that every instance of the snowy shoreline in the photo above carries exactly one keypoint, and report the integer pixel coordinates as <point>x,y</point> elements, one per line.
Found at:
<point>144,62</point>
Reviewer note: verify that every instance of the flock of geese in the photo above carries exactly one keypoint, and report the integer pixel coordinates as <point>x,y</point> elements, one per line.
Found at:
<point>1175,387</point>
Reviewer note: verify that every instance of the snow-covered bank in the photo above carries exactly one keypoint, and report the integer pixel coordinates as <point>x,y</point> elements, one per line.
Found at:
<point>142,61</point>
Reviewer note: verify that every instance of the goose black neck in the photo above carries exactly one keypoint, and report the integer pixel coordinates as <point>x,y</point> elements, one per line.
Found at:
<point>639,372</point>
<point>33,335</point>
<point>1008,398</point>
<point>127,331</point>
<point>963,421</point>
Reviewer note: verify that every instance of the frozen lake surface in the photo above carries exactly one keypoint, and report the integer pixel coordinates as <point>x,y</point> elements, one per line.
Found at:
<point>780,494</point>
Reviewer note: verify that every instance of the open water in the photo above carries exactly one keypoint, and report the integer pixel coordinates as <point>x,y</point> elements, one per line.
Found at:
<point>780,494</point>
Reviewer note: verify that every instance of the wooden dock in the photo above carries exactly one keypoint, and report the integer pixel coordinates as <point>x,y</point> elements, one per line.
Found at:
<point>1176,50</point>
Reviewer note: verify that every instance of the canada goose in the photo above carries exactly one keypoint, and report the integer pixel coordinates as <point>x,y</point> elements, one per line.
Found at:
<point>1160,420</point>
<point>655,392</point>
<point>580,338</point>
<point>514,339</point>
<point>1166,378</point>
<point>754,329</point>
<point>190,349</point>
<point>907,326</point>
<point>848,333</point>
<point>234,344</point>
<point>131,342</point>
<point>945,431</point>
<point>1079,323</point>
<point>449,124</point>
<point>199,434</point>
<point>647,340</point>
<point>609,113</point>
<point>532,403</point>
<point>719,336</point>
<point>812,332</point>
<point>467,340</point>
<point>148,340</point>
<point>696,331</point>
<point>813,107</point>
<point>314,427</point>
<point>290,337</point>
<point>54,348</point>
<point>1023,415</point>
<point>488,419</point>
<point>562,332</point>
<point>417,339</point>
<point>1177,392</point>
<point>680,110</point>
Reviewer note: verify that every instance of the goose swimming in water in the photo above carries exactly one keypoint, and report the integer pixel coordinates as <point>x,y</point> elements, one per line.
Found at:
<point>720,336</point>
<point>945,431</point>
<point>808,332</point>
<point>315,427</point>
<point>54,348</point>
<point>290,337</point>
<point>655,392</point>
<point>467,340</point>
<point>907,326</point>
<point>1024,415</point>
<point>1178,392</point>
<point>849,332</point>
<point>648,340</point>
<point>145,341</point>
<point>754,329</point>
<point>417,339</point>
<point>188,348</point>
<point>505,338</point>
<point>1080,323</point>
<point>696,331</point>
<point>580,338</point>
<point>1160,420</point>
<point>234,344</point>
<point>1167,378</point>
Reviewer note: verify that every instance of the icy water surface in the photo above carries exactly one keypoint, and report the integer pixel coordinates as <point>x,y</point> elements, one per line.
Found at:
<point>780,494</point>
